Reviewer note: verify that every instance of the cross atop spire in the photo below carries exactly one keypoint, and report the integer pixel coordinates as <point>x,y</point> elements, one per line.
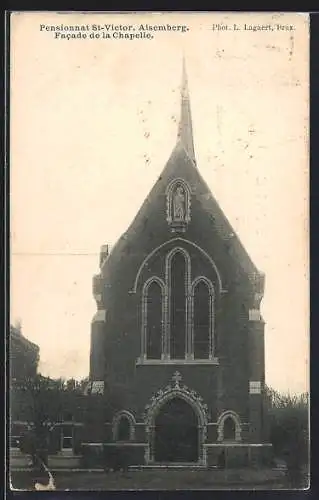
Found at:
<point>185,129</point>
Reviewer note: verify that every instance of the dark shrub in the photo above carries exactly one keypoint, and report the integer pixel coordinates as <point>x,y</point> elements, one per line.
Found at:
<point>117,458</point>
<point>289,434</point>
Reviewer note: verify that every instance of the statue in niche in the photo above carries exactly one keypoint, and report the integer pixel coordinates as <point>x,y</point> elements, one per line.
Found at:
<point>179,204</point>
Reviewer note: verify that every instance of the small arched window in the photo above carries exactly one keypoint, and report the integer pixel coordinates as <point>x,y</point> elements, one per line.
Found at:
<point>123,426</point>
<point>229,429</point>
<point>123,429</point>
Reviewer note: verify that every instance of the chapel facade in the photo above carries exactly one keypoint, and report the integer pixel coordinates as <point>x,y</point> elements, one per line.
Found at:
<point>178,334</point>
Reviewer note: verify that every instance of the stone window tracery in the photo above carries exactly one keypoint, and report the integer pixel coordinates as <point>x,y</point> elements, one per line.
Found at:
<point>178,313</point>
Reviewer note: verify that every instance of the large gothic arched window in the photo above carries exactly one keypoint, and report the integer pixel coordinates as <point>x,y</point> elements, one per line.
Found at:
<point>201,318</point>
<point>229,427</point>
<point>178,312</point>
<point>154,321</point>
<point>178,321</point>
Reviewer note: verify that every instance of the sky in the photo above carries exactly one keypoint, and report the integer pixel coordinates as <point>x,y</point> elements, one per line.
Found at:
<point>93,123</point>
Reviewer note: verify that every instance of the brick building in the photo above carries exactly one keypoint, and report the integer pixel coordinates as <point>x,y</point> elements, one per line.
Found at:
<point>24,356</point>
<point>37,401</point>
<point>178,330</point>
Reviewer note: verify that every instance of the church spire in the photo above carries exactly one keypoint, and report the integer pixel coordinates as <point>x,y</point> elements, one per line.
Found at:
<point>185,129</point>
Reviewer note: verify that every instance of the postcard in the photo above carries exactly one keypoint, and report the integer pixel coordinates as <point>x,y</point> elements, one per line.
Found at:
<point>159,226</point>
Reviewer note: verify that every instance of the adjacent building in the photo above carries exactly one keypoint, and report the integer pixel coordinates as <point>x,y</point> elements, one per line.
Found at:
<point>39,403</point>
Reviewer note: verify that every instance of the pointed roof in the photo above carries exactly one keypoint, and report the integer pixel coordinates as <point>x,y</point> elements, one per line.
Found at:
<point>185,128</point>
<point>181,165</point>
<point>16,335</point>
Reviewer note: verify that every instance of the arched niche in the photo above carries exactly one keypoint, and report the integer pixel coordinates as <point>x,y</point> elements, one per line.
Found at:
<point>178,205</point>
<point>228,422</point>
<point>123,426</point>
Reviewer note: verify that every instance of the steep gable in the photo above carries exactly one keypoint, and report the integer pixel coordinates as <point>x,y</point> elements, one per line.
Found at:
<point>205,224</point>
<point>150,224</point>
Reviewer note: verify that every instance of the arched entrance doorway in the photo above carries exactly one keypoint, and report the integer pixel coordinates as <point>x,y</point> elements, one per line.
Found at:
<point>176,432</point>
